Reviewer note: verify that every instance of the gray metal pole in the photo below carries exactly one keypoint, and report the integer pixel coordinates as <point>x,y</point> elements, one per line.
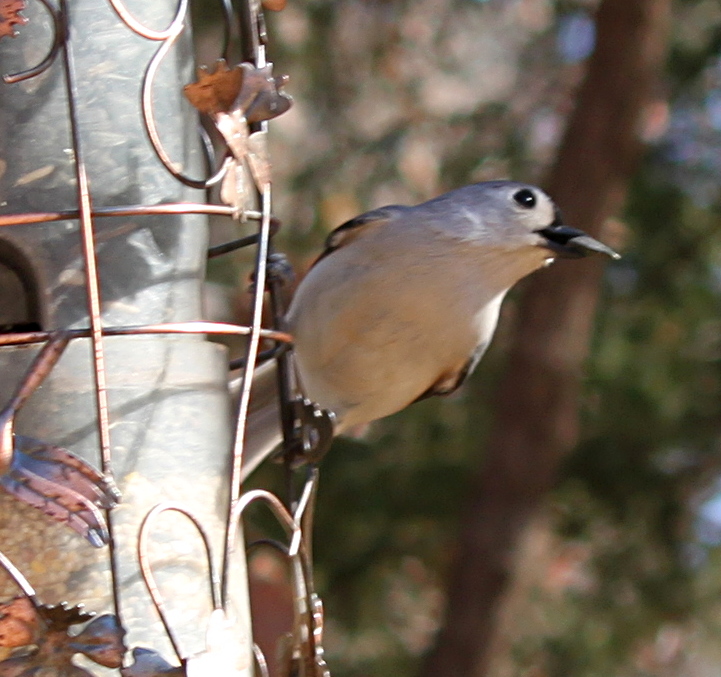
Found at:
<point>169,418</point>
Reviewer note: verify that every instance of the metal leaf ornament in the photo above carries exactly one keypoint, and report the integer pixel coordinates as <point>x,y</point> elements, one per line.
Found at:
<point>50,478</point>
<point>236,98</point>
<point>43,630</point>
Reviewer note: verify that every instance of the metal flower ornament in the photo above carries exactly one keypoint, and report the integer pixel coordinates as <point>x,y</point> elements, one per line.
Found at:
<point>51,647</point>
<point>10,17</point>
<point>236,98</point>
<point>38,638</point>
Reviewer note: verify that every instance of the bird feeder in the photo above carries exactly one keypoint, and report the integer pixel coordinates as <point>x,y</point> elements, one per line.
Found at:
<point>120,451</point>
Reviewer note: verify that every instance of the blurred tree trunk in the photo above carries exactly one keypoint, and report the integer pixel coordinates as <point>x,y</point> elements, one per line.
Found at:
<point>536,420</point>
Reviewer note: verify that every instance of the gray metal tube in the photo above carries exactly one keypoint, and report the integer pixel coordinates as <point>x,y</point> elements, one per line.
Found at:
<point>168,405</point>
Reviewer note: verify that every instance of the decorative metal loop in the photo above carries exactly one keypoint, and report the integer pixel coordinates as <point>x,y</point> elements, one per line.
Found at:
<point>149,578</point>
<point>151,127</point>
<point>308,609</point>
<point>285,519</point>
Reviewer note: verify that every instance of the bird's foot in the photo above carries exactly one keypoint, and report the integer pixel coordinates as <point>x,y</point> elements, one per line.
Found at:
<point>279,269</point>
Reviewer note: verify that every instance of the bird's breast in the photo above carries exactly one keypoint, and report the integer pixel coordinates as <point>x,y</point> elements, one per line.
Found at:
<point>370,338</point>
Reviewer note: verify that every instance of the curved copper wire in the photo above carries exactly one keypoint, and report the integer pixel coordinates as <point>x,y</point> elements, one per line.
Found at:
<point>238,507</point>
<point>174,27</point>
<point>291,527</point>
<point>131,210</point>
<point>308,609</point>
<point>152,129</point>
<point>199,327</point>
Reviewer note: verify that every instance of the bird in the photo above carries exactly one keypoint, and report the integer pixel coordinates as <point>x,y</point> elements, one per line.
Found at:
<point>404,300</point>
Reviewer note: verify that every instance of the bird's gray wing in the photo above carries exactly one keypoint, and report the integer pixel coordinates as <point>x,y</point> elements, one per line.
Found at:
<point>446,385</point>
<point>350,230</point>
<point>263,432</point>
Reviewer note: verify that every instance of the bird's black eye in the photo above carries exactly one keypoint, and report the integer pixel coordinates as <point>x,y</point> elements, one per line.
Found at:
<point>525,198</point>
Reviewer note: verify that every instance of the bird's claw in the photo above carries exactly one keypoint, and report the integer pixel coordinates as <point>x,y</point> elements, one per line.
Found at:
<point>278,270</point>
<point>61,486</point>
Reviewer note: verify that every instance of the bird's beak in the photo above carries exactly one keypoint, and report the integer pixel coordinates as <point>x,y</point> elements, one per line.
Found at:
<point>572,243</point>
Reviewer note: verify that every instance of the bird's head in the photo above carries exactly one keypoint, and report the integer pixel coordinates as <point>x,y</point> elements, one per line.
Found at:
<point>520,215</point>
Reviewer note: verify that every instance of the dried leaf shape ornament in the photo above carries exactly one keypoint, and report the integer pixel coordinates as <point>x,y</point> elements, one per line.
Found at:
<point>10,17</point>
<point>52,479</point>
<point>50,649</point>
<point>235,98</point>
<point>18,623</point>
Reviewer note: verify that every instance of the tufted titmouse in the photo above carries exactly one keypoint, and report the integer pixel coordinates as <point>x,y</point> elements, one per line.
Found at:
<point>404,301</point>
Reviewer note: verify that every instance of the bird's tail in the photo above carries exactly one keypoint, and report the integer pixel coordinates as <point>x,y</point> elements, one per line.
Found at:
<point>263,431</point>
